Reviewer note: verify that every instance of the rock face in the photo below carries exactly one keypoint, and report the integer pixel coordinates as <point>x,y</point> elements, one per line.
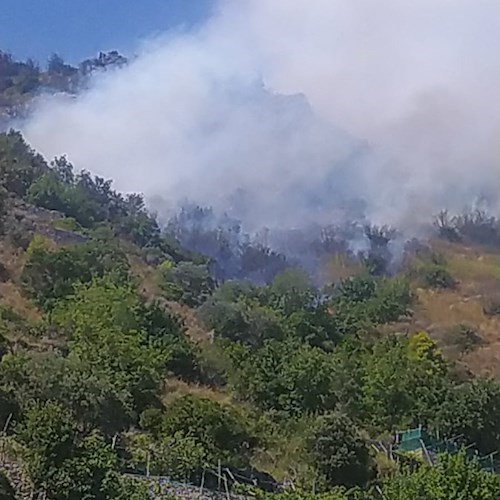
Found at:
<point>103,61</point>
<point>29,220</point>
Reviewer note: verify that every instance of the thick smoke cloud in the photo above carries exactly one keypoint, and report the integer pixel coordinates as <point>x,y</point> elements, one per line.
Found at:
<point>288,112</point>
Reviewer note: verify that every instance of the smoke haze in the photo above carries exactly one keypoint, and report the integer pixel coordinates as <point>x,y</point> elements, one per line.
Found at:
<point>284,113</point>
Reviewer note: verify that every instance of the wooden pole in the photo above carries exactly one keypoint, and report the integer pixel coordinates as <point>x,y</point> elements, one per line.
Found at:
<point>218,474</point>
<point>202,482</point>
<point>226,487</point>
<point>6,426</point>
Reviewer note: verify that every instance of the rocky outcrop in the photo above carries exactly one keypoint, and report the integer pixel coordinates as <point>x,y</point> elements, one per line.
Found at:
<point>103,61</point>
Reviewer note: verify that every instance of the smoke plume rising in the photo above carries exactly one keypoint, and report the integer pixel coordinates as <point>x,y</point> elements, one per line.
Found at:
<point>287,113</point>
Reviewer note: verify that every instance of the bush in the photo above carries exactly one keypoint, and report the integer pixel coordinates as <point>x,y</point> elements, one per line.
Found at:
<point>186,282</point>
<point>287,377</point>
<point>465,338</point>
<point>20,166</point>
<point>437,276</point>
<point>339,452</point>
<point>453,477</point>
<point>491,306</point>
<point>51,275</point>
<point>220,431</point>
<point>179,457</point>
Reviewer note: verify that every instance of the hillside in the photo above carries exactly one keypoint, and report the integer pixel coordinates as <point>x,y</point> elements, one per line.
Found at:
<point>120,346</point>
<point>131,352</point>
<point>21,81</point>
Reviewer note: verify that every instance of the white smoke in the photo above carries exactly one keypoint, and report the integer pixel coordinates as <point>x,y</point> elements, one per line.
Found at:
<point>286,112</point>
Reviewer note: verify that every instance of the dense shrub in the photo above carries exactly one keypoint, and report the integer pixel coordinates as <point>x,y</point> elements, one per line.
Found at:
<point>186,282</point>
<point>339,452</point>
<point>437,276</point>
<point>50,275</point>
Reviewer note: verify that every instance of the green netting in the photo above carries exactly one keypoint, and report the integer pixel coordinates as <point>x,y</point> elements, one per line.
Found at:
<point>415,441</point>
<point>410,435</point>
<point>410,445</point>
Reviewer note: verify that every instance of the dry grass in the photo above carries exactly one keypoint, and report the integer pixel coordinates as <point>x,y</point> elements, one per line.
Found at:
<point>12,258</point>
<point>439,311</point>
<point>146,275</point>
<point>284,458</point>
<point>194,329</point>
<point>148,287</point>
<point>10,294</point>
<point>340,267</point>
<point>175,388</point>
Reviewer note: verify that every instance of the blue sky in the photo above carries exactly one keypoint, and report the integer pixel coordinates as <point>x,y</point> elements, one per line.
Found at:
<point>77,29</point>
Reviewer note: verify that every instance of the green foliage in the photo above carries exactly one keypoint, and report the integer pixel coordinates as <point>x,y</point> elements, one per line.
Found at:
<point>390,303</point>
<point>313,362</point>
<point>453,478</point>
<point>289,307</point>
<point>48,432</point>
<point>19,164</point>
<point>104,306</point>
<point>357,289</point>
<point>339,452</point>
<point>62,460</point>
<point>179,456</point>
<point>437,276</point>
<point>104,333</point>
<point>88,391</point>
<point>165,332</point>
<point>49,276</point>
<point>286,377</point>
<point>362,302</point>
<point>244,322</point>
<point>67,224</point>
<point>464,337</point>
<point>471,411</point>
<point>186,282</point>
<point>220,431</point>
<point>338,493</point>
<point>91,201</point>
<point>403,383</point>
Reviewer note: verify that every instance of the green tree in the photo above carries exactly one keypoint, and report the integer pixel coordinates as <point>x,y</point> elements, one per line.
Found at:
<point>287,377</point>
<point>105,332</point>
<point>339,452</point>
<point>453,478</point>
<point>19,164</point>
<point>87,390</point>
<point>404,382</point>
<point>186,282</point>
<point>220,431</point>
<point>66,463</point>
<point>179,456</point>
<point>50,275</point>
<point>471,410</point>
<point>48,433</point>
